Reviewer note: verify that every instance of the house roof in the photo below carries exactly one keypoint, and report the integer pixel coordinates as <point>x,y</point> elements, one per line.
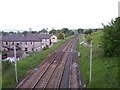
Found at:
<point>24,38</point>
<point>20,37</point>
<point>44,36</point>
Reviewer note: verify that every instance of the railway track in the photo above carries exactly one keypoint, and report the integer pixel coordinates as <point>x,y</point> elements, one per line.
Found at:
<point>49,72</point>
<point>57,71</point>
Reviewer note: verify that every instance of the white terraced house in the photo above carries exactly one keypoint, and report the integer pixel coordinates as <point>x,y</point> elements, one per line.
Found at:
<point>28,42</point>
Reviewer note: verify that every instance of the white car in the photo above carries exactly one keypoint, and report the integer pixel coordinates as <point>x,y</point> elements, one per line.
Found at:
<point>12,59</point>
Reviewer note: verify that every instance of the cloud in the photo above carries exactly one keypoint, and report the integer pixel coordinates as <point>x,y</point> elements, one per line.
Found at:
<point>56,13</point>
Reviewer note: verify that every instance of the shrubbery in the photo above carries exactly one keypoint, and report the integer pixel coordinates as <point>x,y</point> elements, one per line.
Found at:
<point>61,35</point>
<point>88,36</point>
<point>111,38</point>
<point>88,32</point>
<point>46,47</point>
<point>88,39</point>
<point>5,65</point>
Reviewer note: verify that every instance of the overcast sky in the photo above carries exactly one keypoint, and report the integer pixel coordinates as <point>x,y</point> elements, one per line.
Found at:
<point>72,14</point>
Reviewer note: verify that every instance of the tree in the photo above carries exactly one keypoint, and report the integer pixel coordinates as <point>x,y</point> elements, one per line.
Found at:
<point>71,32</point>
<point>43,30</point>
<point>88,39</point>
<point>34,32</point>
<point>80,30</point>
<point>58,31</point>
<point>4,33</point>
<point>111,38</point>
<point>53,31</point>
<point>88,31</point>
<point>60,35</point>
<point>11,32</point>
<point>18,32</point>
<point>24,33</point>
<point>65,30</point>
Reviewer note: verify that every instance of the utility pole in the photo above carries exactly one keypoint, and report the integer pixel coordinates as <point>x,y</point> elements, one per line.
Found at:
<point>90,61</point>
<point>90,58</point>
<point>15,63</point>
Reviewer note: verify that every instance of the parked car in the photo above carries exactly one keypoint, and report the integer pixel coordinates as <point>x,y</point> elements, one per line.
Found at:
<point>12,59</point>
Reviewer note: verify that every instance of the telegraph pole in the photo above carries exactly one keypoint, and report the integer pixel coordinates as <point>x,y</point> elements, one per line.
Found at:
<point>90,58</point>
<point>90,61</point>
<point>15,63</point>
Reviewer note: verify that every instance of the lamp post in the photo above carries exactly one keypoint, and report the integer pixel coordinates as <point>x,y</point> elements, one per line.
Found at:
<point>90,61</point>
<point>15,63</point>
<point>83,42</point>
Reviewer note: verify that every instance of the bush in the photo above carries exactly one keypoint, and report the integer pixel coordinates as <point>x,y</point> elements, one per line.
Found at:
<point>61,35</point>
<point>46,47</point>
<point>88,32</point>
<point>5,65</point>
<point>88,39</point>
<point>111,38</point>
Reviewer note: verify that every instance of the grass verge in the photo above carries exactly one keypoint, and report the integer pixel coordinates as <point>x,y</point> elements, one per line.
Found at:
<point>24,66</point>
<point>104,69</point>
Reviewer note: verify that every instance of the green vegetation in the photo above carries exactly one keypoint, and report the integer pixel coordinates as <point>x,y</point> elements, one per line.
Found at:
<point>61,35</point>
<point>88,39</point>
<point>111,38</point>
<point>24,66</point>
<point>80,30</point>
<point>104,69</point>
<point>88,32</point>
<point>66,32</point>
<point>46,47</point>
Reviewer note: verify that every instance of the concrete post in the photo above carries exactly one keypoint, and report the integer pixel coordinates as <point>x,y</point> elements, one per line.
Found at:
<point>15,63</point>
<point>90,60</point>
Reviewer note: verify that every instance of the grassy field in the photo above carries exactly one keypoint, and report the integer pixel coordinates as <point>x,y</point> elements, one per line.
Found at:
<point>24,66</point>
<point>104,69</point>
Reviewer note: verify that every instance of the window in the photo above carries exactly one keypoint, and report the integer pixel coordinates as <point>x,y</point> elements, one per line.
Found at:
<point>26,49</point>
<point>17,43</point>
<point>6,43</point>
<point>26,43</point>
<point>13,43</point>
